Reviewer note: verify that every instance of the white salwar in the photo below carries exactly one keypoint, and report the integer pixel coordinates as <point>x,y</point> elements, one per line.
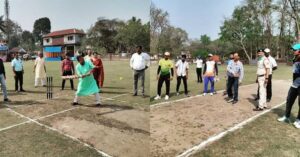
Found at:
<point>40,73</point>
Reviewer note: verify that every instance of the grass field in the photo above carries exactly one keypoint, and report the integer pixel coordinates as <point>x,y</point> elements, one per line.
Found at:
<point>30,125</point>
<point>283,73</point>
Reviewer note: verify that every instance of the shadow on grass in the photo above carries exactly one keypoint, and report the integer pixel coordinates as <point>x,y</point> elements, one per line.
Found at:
<point>252,100</point>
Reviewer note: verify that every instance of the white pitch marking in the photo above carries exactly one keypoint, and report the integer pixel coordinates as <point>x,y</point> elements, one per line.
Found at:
<point>58,131</point>
<point>218,136</point>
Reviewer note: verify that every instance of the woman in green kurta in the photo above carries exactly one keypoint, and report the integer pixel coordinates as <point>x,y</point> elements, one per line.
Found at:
<point>87,84</point>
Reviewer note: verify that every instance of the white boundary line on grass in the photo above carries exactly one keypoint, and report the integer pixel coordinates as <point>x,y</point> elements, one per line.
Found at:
<point>218,136</point>
<point>179,100</point>
<point>58,131</point>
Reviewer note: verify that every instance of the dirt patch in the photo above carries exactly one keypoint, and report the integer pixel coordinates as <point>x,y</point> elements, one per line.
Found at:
<point>116,130</point>
<point>178,126</point>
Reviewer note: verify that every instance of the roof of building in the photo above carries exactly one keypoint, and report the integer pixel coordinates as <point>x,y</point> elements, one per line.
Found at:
<point>64,32</point>
<point>17,49</point>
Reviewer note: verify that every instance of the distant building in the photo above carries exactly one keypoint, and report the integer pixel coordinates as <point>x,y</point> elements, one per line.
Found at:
<point>56,44</point>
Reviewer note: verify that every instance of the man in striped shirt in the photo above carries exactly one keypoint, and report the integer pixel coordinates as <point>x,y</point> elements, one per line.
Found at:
<point>235,72</point>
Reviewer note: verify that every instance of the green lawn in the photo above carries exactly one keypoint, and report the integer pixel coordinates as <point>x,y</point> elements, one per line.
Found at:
<point>283,73</point>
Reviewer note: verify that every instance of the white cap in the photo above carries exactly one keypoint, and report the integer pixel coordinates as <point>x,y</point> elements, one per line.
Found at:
<point>210,55</point>
<point>267,50</point>
<point>167,53</point>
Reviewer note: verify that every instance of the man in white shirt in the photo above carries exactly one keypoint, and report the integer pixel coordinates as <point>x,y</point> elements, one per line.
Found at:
<point>182,69</point>
<point>210,72</point>
<point>139,62</point>
<point>273,66</point>
<point>199,65</point>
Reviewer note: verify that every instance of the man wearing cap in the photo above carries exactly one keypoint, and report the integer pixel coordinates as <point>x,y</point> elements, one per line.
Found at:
<point>294,89</point>
<point>182,72</point>
<point>165,73</point>
<point>235,72</point>
<point>199,65</point>
<point>273,67</point>
<point>139,62</point>
<point>263,70</point>
<point>210,71</point>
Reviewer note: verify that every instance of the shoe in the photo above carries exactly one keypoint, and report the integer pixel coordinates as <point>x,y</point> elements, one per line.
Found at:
<point>166,97</point>
<point>234,102</point>
<point>187,95</point>
<point>268,100</point>
<point>284,119</point>
<point>75,103</point>
<point>230,100</point>
<point>258,109</point>
<point>98,105</point>
<point>204,94</point>
<point>177,93</point>
<point>22,90</point>
<point>6,100</point>
<point>143,95</point>
<point>256,99</point>
<point>297,123</point>
<point>157,97</point>
<point>211,94</point>
<point>135,94</point>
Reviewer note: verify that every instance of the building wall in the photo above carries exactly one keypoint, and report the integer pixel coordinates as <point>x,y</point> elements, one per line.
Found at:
<point>76,39</point>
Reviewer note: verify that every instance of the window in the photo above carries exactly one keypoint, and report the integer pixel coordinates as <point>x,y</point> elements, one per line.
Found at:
<point>70,38</point>
<point>47,40</point>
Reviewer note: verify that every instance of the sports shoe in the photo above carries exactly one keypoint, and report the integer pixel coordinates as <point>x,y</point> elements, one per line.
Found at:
<point>284,119</point>
<point>234,102</point>
<point>157,97</point>
<point>230,100</point>
<point>211,94</point>
<point>204,94</point>
<point>6,100</point>
<point>75,103</point>
<point>177,93</point>
<point>297,123</point>
<point>166,97</point>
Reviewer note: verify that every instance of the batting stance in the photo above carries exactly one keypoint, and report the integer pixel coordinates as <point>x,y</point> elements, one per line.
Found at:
<point>294,89</point>
<point>165,73</point>
<point>263,69</point>
<point>87,84</point>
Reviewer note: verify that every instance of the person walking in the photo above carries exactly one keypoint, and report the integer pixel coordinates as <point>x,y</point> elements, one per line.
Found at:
<point>3,81</point>
<point>18,70</point>
<point>165,73</point>
<point>139,62</point>
<point>263,70</point>
<point>210,73</point>
<point>294,90</point>
<point>182,73</point>
<point>235,72</point>
<point>199,65</point>
<point>40,70</point>
<point>67,69</point>
<point>273,67</point>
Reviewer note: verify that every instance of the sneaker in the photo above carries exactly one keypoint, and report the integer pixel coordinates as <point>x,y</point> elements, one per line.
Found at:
<point>98,105</point>
<point>204,94</point>
<point>211,94</point>
<point>157,97</point>
<point>166,97</point>
<point>297,123</point>
<point>258,109</point>
<point>230,100</point>
<point>284,119</point>
<point>135,94</point>
<point>234,102</point>
<point>6,100</point>
<point>75,103</point>
<point>177,93</point>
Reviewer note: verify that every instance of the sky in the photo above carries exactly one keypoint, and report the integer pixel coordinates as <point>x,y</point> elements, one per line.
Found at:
<point>79,14</point>
<point>198,17</point>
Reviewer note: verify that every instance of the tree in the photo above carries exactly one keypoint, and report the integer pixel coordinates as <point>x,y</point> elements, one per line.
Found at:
<point>2,25</point>
<point>103,34</point>
<point>27,41</point>
<point>205,40</point>
<point>41,27</point>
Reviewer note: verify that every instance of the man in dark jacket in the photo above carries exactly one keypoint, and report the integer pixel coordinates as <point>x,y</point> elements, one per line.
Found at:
<point>3,80</point>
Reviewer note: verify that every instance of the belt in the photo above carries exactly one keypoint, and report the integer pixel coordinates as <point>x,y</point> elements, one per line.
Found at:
<point>260,75</point>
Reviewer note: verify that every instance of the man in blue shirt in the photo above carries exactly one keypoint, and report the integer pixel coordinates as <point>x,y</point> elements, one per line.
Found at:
<point>17,66</point>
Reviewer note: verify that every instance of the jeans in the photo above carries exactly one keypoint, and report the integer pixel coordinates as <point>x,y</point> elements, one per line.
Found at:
<point>184,83</point>
<point>139,74</point>
<point>3,86</point>
<point>208,79</point>
<point>233,82</point>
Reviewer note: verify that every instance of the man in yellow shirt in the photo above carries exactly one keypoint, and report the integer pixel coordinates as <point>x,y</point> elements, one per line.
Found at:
<point>165,73</point>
